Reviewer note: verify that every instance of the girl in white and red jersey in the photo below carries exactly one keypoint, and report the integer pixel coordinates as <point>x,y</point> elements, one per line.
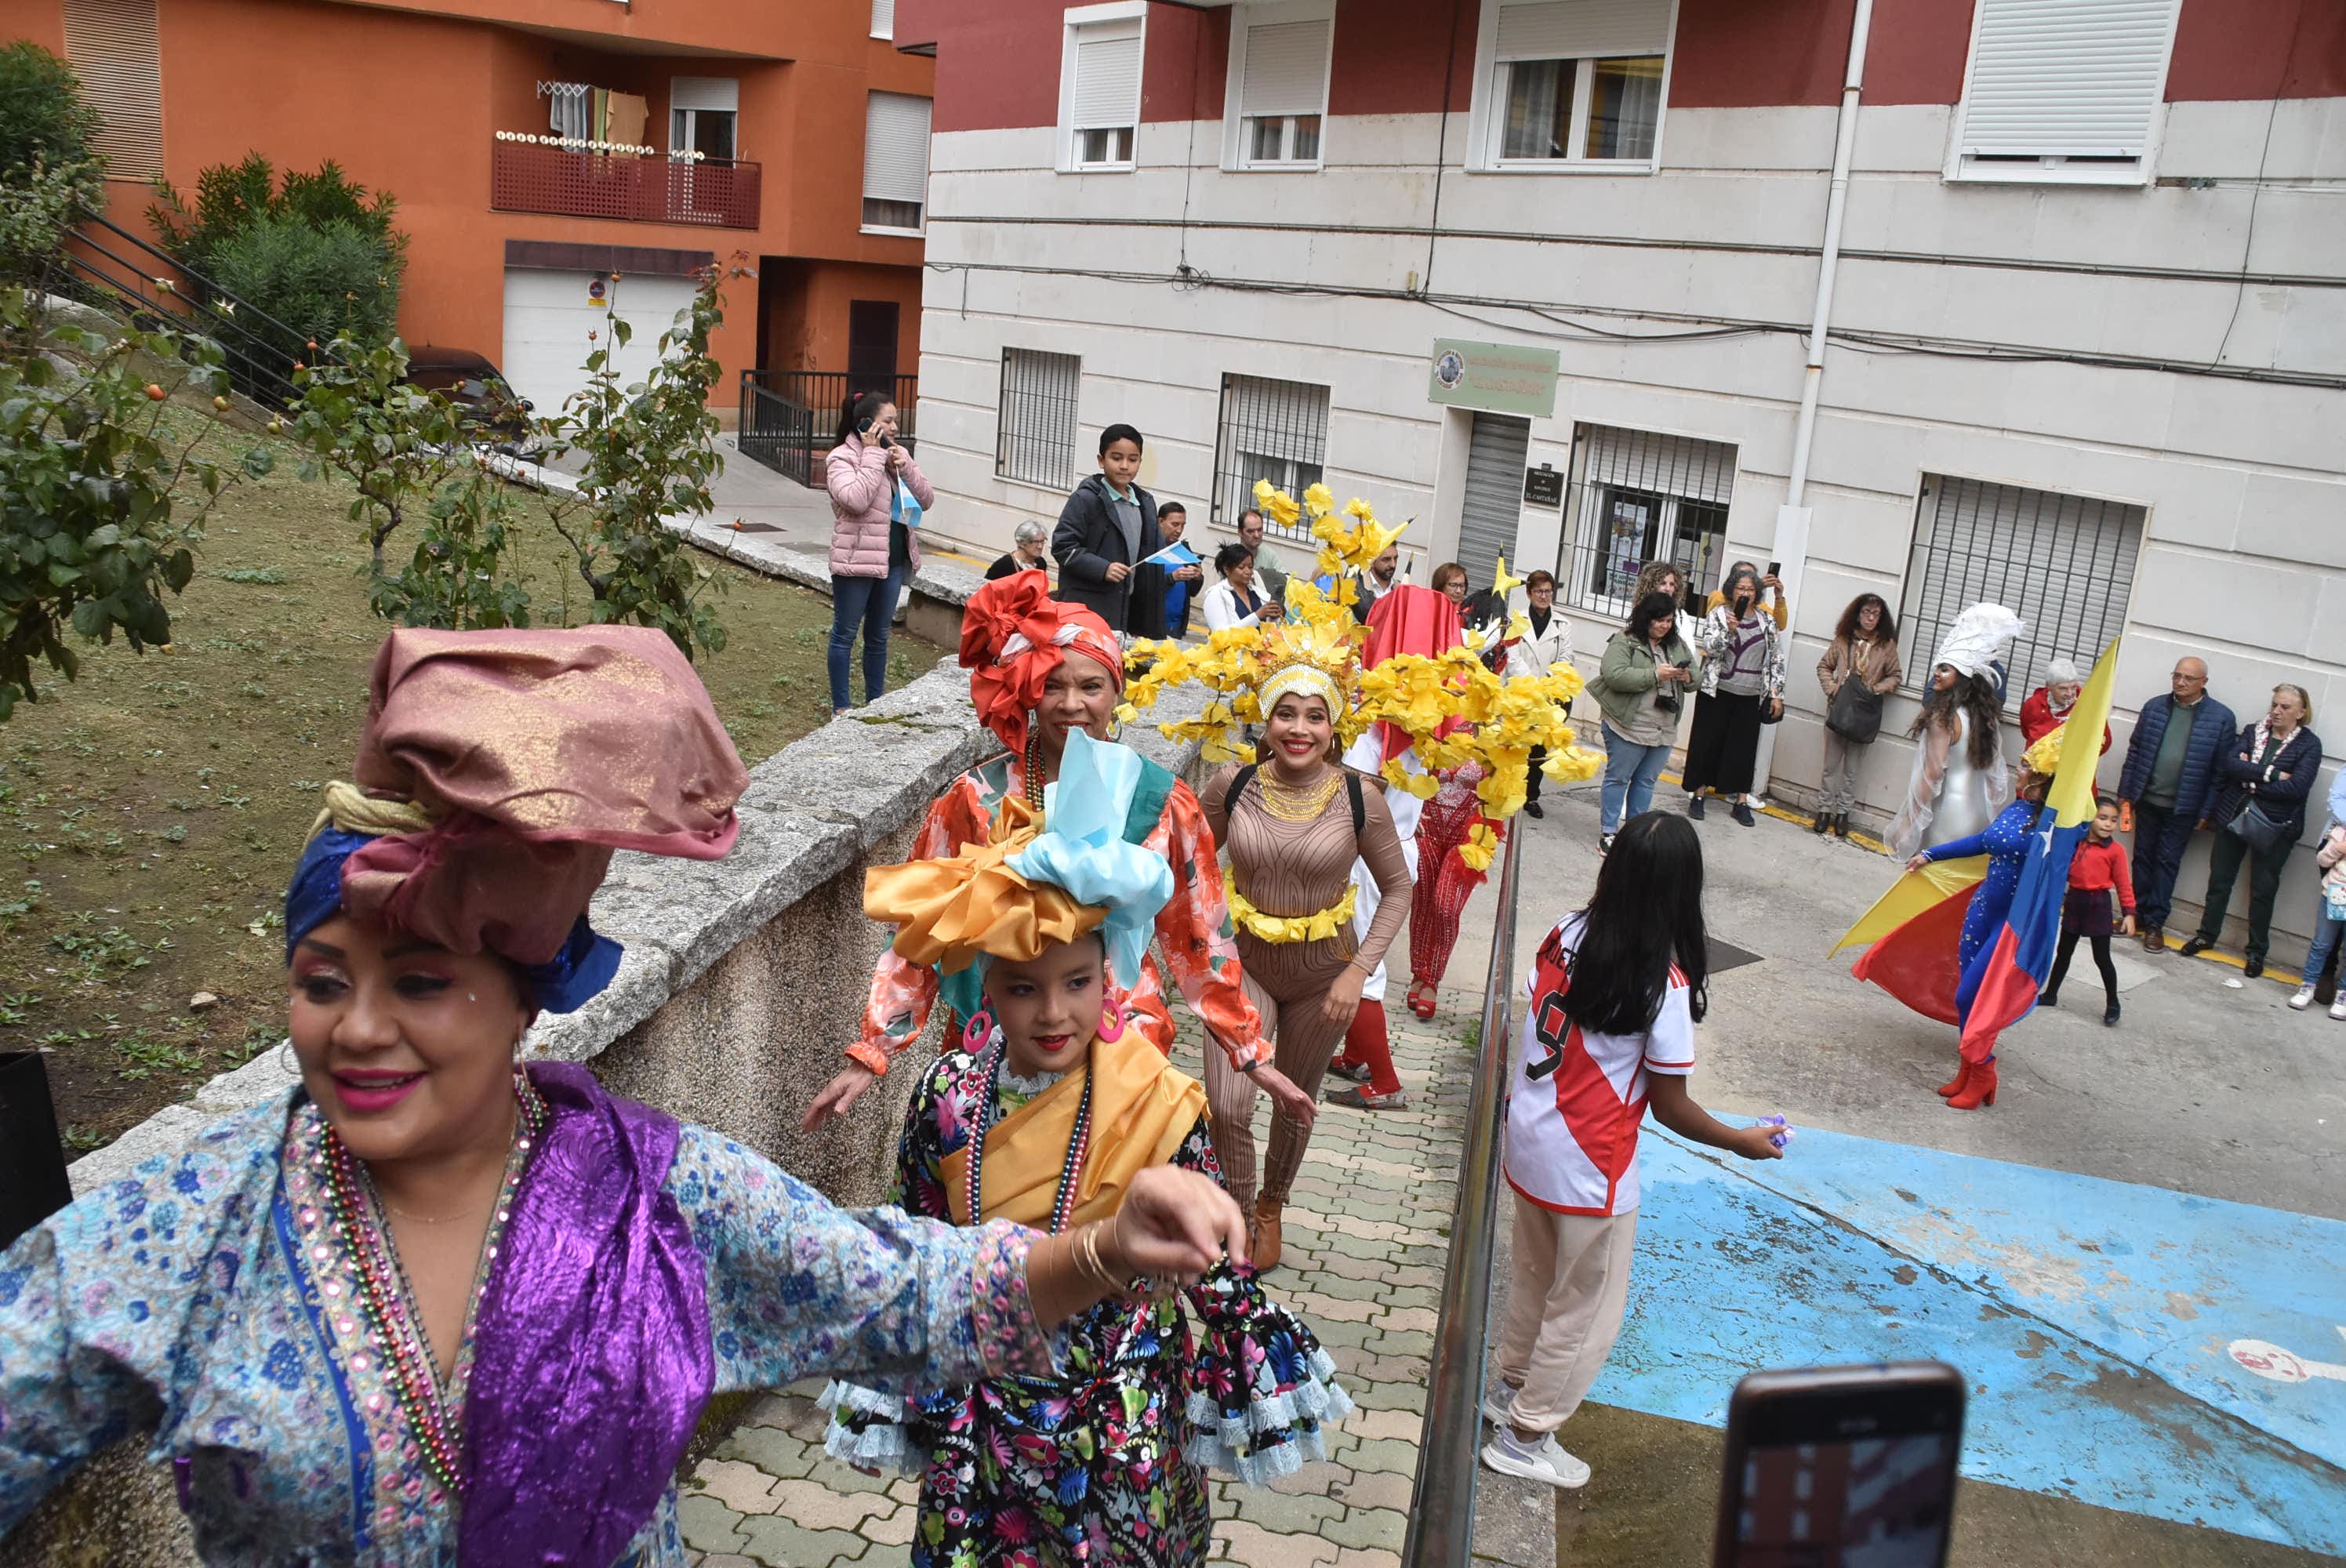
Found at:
<point>1610,1031</point>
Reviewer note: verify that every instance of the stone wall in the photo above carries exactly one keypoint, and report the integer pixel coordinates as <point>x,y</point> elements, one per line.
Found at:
<point>743,980</point>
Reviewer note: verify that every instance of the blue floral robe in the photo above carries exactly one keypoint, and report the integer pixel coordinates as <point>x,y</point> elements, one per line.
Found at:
<point>207,1301</point>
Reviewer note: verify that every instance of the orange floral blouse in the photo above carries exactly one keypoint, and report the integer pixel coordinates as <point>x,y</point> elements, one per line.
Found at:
<point>1193,930</point>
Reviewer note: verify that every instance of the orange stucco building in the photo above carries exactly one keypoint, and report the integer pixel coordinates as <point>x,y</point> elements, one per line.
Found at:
<point>431,102</point>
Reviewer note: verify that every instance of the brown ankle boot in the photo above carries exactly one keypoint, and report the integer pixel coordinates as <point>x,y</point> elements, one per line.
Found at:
<point>1266,1233</point>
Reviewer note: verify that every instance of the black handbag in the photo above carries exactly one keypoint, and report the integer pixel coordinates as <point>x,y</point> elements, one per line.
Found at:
<point>1855,712</point>
<point>2255,827</point>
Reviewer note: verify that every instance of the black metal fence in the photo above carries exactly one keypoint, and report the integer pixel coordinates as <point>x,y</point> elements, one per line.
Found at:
<point>788,418</point>
<point>1639,496</point>
<point>1268,429</point>
<point>103,264</point>
<point>1035,422</point>
<point>2063,564</point>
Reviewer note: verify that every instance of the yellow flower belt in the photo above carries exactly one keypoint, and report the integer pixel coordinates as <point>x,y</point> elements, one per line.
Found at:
<point>1292,928</point>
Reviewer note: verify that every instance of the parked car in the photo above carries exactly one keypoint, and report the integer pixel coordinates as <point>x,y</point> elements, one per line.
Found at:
<point>479,390</point>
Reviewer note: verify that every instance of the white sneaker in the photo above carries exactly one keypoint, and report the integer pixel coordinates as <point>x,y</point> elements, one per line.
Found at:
<point>2338,1008</point>
<point>1544,1460</point>
<point>1498,1403</point>
<point>2303,999</point>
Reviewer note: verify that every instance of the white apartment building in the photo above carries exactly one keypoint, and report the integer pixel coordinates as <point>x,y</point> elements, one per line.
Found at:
<point>1542,275</point>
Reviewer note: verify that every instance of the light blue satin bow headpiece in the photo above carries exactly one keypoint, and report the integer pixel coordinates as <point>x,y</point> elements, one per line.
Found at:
<point>1083,850</point>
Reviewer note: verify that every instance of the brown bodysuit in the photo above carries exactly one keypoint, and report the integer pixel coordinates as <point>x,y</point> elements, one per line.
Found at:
<point>1294,869</point>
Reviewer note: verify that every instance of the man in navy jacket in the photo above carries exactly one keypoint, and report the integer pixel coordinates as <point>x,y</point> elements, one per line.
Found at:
<point>2173,767</point>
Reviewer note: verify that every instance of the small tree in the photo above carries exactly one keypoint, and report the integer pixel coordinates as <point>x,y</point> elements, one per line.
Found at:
<point>49,172</point>
<point>102,489</point>
<point>648,452</point>
<point>408,455</point>
<point>314,251</point>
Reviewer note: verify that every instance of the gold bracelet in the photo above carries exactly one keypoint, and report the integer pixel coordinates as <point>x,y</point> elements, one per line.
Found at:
<point>1091,1266</point>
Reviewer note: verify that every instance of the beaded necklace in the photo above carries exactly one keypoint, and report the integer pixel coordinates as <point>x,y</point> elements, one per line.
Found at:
<point>1291,803</point>
<point>1079,1143</point>
<point>1033,781</point>
<point>385,1300</point>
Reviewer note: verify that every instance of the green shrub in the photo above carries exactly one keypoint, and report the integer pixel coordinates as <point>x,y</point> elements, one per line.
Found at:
<point>43,118</point>
<point>48,171</point>
<point>314,251</point>
<point>324,282</point>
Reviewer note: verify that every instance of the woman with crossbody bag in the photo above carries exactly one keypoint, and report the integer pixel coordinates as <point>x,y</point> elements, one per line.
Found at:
<point>1859,671</point>
<point>2258,817</point>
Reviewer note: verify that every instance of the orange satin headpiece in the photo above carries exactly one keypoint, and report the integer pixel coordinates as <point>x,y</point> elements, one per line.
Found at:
<point>1012,635</point>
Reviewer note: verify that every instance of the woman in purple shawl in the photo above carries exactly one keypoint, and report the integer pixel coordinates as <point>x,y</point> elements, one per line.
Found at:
<point>436,1307</point>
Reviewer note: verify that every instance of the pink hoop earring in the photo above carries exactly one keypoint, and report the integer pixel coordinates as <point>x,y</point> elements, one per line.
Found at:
<point>1112,1021</point>
<point>978,1031</point>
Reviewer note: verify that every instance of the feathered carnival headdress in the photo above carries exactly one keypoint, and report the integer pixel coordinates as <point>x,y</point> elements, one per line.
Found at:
<point>1012,635</point>
<point>1028,888</point>
<point>2045,756</point>
<point>496,772</point>
<point>1982,632</point>
<point>1452,709</point>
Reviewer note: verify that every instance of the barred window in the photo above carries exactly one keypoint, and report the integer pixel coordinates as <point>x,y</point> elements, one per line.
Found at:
<point>1268,430</point>
<point>2063,564</point>
<point>1035,438</point>
<point>1639,496</point>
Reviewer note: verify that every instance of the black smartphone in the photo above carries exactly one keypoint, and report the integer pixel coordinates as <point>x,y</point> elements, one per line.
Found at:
<point>1841,1465</point>
<point>1775,568</point>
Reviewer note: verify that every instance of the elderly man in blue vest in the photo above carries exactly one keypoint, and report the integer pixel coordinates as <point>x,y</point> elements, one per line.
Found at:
<point>2172,771</point>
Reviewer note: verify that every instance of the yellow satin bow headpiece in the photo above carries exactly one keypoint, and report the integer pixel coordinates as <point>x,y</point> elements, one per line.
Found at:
<point>950,912</point>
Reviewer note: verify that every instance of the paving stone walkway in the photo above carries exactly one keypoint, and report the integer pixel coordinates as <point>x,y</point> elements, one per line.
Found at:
<point>1367,1236</point>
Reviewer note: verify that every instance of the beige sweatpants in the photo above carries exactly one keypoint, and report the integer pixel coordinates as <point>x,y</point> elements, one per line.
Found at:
<point>1564,1304</point>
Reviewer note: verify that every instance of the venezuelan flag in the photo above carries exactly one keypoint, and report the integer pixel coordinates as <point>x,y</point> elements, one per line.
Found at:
<point>1914,928</point>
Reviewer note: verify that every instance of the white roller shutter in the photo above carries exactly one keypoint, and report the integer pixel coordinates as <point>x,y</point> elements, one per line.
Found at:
<point>1666,465</point>
<point>113,48</point>
<point>705,93</point>
<point>1496,455</point>
<point>1286,70</point>
<point>1107,75</point>
<point>1285,420</point>
<point>884,18</point>
<point>1578,29</point>
<point>896,147</point>
<point>549,317</point>
<point>2066,78</point>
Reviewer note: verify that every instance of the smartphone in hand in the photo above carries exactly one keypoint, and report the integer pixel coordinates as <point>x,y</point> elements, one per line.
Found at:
<point>1829,1466</point>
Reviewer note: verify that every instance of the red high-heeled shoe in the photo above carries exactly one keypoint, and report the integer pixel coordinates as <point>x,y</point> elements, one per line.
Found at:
<point>1980,1090</point>
<point>1421,1000</point>
<point>1956,1085</point>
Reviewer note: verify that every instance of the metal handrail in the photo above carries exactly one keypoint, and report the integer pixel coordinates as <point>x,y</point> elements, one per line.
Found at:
<point>1442,1502</point>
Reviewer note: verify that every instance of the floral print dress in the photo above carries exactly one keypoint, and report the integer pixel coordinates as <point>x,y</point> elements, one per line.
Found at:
<point>203,1302</point>
<point>1105,1464</point>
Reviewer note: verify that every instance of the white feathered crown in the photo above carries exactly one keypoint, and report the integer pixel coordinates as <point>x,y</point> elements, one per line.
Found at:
<point>1977,636</point>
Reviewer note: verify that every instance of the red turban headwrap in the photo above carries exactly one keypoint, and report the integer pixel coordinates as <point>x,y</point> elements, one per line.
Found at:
<point>1012,635</point>
<point>1410,620</point>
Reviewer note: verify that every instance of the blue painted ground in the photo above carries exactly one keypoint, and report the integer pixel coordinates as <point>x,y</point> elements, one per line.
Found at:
<point>2093,1319</point>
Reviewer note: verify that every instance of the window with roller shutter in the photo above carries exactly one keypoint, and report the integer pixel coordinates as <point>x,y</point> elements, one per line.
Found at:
<point>1279,84</point>
<point>1270,430</point>
<point>2063,564</point>
<point>112,48</point>
<point>2064,91</point>
<point>895,163</point>
<point>1573,85</point>
<point>884,18</point>
<point>1099,88</point>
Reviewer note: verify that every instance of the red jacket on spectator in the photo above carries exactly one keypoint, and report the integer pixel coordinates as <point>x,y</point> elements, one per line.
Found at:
<point>2037,719</point>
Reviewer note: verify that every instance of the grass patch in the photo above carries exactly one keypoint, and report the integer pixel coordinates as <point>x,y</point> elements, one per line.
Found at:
<point>151,811</point>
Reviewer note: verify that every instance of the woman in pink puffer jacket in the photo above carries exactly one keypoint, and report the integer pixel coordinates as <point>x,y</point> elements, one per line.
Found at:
<point>872,554</point>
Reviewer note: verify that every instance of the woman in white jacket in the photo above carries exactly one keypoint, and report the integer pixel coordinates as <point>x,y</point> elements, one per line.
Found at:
<point>1232,602</point>
<point>1539,650</point>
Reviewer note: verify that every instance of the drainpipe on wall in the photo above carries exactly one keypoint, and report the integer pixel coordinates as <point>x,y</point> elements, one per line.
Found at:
<point>1791,547</point>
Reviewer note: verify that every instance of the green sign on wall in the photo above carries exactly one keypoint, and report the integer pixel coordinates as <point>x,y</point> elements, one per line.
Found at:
<point>1497,378</point>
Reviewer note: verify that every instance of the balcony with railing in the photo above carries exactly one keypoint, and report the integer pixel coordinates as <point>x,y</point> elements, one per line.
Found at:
<point>583,180</point>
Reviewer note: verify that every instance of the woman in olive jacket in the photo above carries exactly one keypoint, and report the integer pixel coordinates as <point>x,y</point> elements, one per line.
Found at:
<point>1641,685</point>
<point>1864,647</point>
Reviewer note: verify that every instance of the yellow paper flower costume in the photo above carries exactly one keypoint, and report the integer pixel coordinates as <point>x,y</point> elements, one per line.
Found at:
<point>1317,649</point>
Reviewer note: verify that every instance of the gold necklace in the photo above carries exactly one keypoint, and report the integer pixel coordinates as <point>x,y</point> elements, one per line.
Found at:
<point>1291,803</point>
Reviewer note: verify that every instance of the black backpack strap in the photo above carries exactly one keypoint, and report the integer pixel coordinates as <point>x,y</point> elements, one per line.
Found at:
<point>1239,781</point>
<point>1360,803</point>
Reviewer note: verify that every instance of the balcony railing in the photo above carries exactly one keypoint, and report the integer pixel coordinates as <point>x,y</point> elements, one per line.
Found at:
<point>524,177</point>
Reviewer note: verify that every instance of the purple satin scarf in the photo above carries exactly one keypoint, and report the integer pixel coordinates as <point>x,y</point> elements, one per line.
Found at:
<point>592,1357</point>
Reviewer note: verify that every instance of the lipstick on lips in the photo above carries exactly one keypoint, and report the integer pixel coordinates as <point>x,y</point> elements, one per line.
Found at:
<point>369,1094</point>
